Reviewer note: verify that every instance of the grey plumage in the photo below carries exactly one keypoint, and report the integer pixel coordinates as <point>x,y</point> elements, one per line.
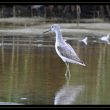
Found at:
<point>68,53</point>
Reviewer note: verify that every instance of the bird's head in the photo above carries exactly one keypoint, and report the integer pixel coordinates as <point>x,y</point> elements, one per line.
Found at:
<point>54,28</point>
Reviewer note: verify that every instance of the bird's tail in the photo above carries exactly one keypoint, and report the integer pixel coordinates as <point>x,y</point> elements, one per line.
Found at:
<point>82,63</point>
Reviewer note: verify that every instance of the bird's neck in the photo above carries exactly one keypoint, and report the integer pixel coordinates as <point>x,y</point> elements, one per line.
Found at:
<point>59,37</point>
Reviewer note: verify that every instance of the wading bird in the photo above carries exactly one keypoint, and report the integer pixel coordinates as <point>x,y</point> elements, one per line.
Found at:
<point>84,40</point>
<point>105,38</point>
<point>64,50</point>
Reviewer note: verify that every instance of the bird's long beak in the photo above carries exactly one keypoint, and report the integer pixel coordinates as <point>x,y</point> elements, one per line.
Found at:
<point>47,31</point>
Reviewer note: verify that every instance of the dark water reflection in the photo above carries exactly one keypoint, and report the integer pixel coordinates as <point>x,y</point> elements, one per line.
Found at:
<point>32,73</point>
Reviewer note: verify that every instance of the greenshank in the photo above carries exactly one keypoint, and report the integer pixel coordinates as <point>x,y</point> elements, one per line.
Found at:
<point>64,50</point>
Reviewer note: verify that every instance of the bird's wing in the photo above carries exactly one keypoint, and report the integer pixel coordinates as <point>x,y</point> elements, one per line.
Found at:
<point>68,52</point>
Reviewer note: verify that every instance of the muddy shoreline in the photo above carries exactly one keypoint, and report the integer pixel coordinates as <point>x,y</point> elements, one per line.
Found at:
<point>35,27</point>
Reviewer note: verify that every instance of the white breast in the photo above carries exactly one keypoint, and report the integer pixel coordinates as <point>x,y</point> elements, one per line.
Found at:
<point>59,54</point>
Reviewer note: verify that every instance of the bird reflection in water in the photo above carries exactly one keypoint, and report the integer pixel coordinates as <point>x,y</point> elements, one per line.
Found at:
<point>68,94</point>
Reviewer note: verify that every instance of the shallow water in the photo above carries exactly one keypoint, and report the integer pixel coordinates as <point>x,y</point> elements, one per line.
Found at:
<point>32,73</point>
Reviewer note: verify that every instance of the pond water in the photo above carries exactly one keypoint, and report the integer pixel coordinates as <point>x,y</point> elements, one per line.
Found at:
<point>31,72</point>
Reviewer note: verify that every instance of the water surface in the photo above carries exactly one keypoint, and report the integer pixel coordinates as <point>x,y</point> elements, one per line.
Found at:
<point>32,73</point>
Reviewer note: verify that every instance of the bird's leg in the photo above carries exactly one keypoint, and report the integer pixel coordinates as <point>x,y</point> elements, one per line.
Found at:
<point>69,70</point>
<point>67,74</point>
